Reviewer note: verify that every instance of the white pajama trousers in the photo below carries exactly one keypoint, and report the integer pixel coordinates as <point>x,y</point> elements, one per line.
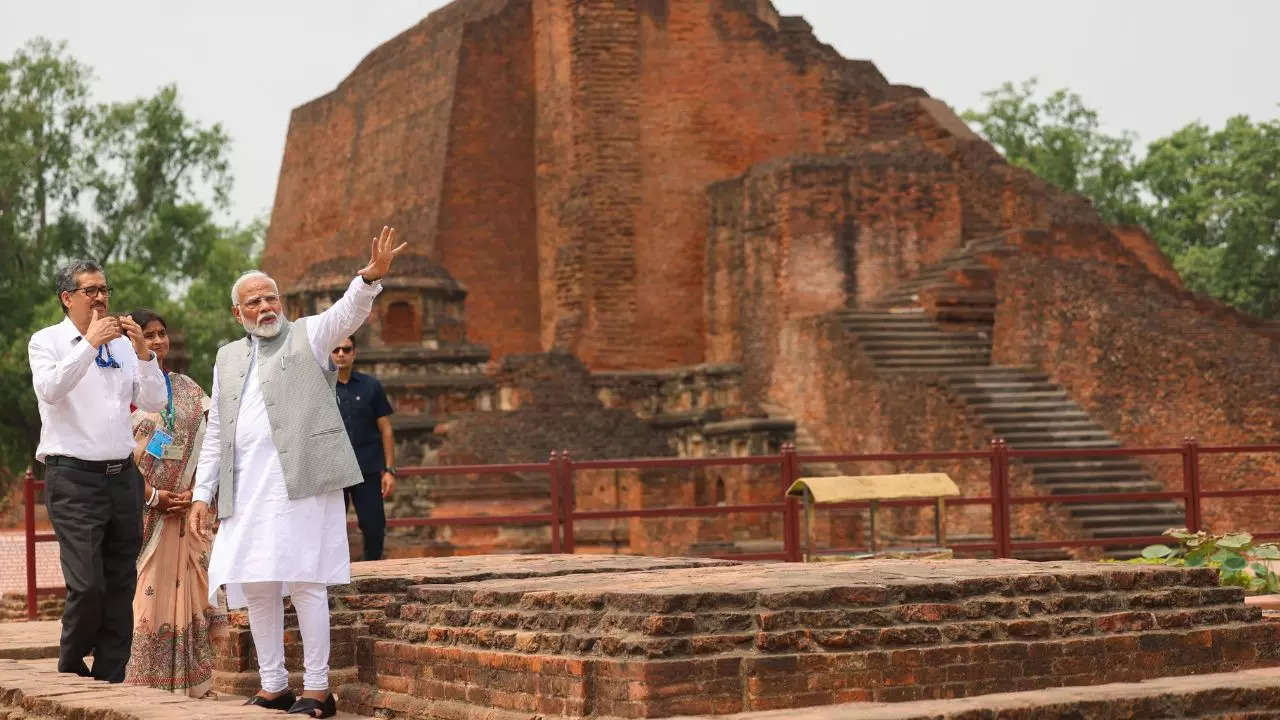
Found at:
<point>266,625</point>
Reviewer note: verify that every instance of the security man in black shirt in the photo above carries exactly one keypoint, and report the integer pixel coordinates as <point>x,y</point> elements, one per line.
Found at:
<point>367,415</point>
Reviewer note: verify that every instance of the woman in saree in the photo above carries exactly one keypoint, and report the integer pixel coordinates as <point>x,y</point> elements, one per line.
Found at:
<point>174,627</point>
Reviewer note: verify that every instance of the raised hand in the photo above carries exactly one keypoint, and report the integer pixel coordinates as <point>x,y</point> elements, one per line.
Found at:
<point>102,329</point>
<point>384,251</point>
<point>134,331</point>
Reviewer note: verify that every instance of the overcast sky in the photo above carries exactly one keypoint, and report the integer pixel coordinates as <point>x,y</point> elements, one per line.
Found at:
<point>1146,65</point>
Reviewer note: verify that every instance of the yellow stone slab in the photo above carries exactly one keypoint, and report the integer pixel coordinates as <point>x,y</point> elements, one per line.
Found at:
<point>850,488</point>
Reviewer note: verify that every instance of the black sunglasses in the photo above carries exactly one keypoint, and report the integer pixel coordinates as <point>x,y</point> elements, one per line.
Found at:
<point>343,350</point>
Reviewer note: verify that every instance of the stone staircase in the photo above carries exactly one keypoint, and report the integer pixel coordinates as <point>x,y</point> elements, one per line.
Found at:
<point>1023,406</point>
<point>957,291</point>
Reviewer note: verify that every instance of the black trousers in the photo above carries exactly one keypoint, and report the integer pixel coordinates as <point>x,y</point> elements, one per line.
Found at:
<point>97,519</point>
<point>370,515</point>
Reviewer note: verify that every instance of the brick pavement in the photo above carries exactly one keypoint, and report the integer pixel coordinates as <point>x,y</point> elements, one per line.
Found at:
<point>29,640</point>
<point>38,690</point>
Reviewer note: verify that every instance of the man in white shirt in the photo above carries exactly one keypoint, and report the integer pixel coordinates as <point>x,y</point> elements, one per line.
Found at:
<point>276,454</point>
<point>86,374</point>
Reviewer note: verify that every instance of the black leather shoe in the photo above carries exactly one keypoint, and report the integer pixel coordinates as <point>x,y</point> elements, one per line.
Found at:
<point>284,701</point>
<point>309,706</point>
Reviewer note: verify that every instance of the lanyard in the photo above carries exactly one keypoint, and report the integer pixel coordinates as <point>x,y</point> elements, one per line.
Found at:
<point>168,411</point>
<point>109,361</point>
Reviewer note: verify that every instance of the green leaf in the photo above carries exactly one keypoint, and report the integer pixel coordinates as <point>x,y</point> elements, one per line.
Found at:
<point>1157,551</point>
<point>1221,556</point>
<point>1268,551</point>
<point>1235,540</point>
<point>1235,563</point>
<point>1196,560</point>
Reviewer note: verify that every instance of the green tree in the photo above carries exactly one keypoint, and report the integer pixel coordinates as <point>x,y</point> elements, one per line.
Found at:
<point>1210,198</point>
<point>1060,140</point>
<point>135,186</point>
<point>1216,209</point>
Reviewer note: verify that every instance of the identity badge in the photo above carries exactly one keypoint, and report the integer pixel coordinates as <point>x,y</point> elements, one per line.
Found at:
<point>159,443</point>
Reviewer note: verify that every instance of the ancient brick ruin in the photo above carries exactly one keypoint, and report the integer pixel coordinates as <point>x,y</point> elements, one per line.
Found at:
<point>743,238</point>
<point>618,637</point>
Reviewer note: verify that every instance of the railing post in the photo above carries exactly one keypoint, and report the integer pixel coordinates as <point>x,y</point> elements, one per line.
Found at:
<point>790,467</point>
<point>1191,481</point>
<point>568,499</point>
<point>29,523</point>
<point>1001,518</point>
<point>553,472</point>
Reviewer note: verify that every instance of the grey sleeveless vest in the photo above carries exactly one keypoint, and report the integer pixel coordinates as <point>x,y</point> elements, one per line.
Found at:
<point>307,428</point>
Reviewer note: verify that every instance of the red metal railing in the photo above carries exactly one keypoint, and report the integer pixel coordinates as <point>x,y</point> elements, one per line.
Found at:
<point>560,468</point>
<point>31,486</point>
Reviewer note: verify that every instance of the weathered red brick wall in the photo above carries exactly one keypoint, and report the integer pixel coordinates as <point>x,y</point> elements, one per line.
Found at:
<point>432,133</point>
<point>1152,364</point>
<point>488,209</point>
<point>624,141</point>
<point>806,235</point>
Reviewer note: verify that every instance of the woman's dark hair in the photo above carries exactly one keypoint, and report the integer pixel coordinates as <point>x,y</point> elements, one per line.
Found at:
<point>142,316</point>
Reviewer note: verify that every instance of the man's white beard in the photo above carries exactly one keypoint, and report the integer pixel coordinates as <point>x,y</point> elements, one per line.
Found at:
<point>264,331</point>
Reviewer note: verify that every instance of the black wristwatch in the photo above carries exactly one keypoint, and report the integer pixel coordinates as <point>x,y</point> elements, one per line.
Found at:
<point>389,470</point>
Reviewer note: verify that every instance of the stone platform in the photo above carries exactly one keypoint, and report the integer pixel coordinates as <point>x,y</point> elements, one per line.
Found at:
<point>529,636</point>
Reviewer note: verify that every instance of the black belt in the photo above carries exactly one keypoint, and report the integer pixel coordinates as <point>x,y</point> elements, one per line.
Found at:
<point>104,467</point>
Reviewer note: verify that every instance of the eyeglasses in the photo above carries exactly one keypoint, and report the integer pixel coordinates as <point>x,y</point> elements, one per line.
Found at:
<point>92,292</point>
<point>343,350</point>
<point>254,302</point>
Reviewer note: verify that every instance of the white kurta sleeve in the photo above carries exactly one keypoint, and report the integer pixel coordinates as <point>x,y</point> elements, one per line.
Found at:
<point>326,330</point>
<point>210,452</point>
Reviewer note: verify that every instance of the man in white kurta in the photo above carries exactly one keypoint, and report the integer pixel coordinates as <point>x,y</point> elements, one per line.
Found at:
<point>272,544</point>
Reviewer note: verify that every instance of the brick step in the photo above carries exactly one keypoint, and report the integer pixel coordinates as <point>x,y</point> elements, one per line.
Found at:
<point>927,350</point>
<point>964,296</point>
<point>991,371</point>
<point>1151,527</point>
<point>1080,444</point>
<point>1049,408</point>
<point>1040,423</point>
<point>1032,422</point>
<point>1048,435</point>
<point>930,334</point>
<point>931,364</point>
<point>1125,508</point>
<point>949,313</point>
<point>936,346</point>
<point>1067,466</point>
<point>1118,486</point>
<point>1003,386</point>
<point>1032,397</point>
<point>993,417</point>
<point>916,315</point>
<point>958,381</point>
<point>1091,477</point>
<point>1092,522</point>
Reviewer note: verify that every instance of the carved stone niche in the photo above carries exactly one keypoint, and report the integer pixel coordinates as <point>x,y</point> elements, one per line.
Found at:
<point>415,342</point>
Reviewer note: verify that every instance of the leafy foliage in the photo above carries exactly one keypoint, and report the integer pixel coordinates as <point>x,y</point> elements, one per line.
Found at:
<point>1059,139</point>
<point>1210,198</point>
<point>1239,561</point>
